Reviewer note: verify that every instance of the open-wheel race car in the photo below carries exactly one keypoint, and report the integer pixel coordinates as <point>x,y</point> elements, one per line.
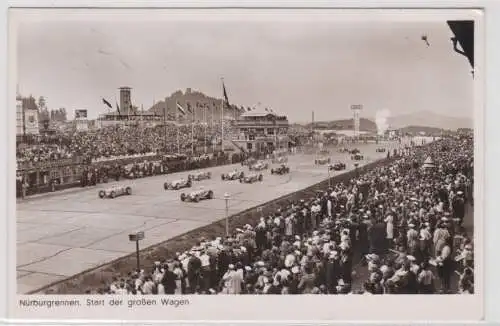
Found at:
<point>197,195</point>
<point>259,166</point>
<point>280,159</point>
<point>357,157</point>
<point>178,184</point>
<point>343,150</point>
<point>198,176</point>
<point>115,191</point>
<point>354,151</point>
<point>380,150</point>
<point>251,178</point>
<point>322,161</point>
<point>233,175</point>
<point>338,166</point>
<point>282,169</point>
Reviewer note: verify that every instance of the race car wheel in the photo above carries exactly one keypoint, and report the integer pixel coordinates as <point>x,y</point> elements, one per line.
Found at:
<point>128,191</point>
<point>102,194</point>
<point>165,186</point>
<point>196,199</point>
<point>209,175</point>
<point>189,184</point>
<point>176,187</point>
<point>223,177</point>
<point>242,175</point>
<point>260,177</point>
<point>210,194</point>
<point>272,171</point>
<point>241,180</point>
<point>112,194</point>
<point>183,197</point>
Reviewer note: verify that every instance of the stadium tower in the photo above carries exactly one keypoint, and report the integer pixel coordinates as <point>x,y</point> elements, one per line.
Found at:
<point>356,110</point>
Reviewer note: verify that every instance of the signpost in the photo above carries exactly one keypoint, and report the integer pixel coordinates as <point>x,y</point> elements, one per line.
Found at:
<point>137,237</point>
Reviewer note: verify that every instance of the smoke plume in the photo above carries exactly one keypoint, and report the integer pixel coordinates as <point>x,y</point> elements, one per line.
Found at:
<point>381,119</point>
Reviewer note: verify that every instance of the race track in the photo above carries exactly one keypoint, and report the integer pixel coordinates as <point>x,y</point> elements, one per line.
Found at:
<point>62,234</point>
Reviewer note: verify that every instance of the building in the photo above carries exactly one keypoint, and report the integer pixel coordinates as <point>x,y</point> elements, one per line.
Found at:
<point>261,131</point>
<point>26,116</point>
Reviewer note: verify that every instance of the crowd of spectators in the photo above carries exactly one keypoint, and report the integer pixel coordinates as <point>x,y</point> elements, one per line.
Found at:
<point>397,229</point>
<point>117,141</point>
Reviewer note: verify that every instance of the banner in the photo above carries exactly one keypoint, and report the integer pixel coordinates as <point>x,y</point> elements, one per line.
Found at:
<point>81,114</point>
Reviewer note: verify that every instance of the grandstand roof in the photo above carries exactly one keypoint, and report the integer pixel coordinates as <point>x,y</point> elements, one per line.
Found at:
<point>258,114</point>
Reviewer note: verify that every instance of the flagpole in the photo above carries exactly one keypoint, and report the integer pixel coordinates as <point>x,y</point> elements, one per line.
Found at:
<point>205,122</point>
<point>165,127</point>
<point>222,116</point>
<point>192,131</point>
<point>178,126</point>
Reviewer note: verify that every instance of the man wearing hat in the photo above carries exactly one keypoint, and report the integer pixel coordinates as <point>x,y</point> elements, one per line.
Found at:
<point>458,206</point>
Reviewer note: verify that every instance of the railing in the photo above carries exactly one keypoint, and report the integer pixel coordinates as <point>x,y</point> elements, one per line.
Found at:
<point>257,124</point>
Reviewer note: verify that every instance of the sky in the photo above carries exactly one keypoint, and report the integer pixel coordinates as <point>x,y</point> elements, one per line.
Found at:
<point>293,66</point>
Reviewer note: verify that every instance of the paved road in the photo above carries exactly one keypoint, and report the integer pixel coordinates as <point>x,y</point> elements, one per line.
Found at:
<point>59,235</point>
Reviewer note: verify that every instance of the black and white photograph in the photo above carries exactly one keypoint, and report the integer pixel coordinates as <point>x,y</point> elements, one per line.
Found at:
<point>244,154</point>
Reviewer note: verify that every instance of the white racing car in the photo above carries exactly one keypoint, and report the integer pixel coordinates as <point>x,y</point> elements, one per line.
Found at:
<point>115,191</point>
<point>198,176</point>
<point>177,184</point>
<point>197,195</point>
<point>251,178</point>
<point>233,175</point>
<point>259,166</point>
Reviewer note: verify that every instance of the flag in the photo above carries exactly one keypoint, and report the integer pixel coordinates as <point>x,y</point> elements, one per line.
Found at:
<point>107,103</point>
<point>190,110</point>
<point>118,109</point>
<point>226,99</point>
<point>180,109</point>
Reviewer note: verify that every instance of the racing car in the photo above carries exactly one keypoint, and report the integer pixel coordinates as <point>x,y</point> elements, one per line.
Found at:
<point>251,178</point>
<point>380,150</point>
<point>198,176</point>
<point>233,175</point>
<point>357,157</point>
<point>178,184</point>
<point>115,191</point>
<point>322,161</point>
<point>259,166</point>
<point>281,159</point>
<point>282,169</point>
<point>354,151</point>
<point>337,166</point>
<point>197,195</point>
<point>343,150</point>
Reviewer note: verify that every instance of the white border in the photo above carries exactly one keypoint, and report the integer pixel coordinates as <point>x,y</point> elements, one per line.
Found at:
<point>336,306</point>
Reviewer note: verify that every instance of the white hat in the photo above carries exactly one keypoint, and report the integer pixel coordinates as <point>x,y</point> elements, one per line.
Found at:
<point>231,266</point>
<point>295,269</point>
<point>248,268</point>
<point>411,258</point>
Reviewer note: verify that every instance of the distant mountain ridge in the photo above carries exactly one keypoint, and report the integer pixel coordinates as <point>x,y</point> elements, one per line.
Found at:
<point>429,119</point>
<point>417,121</point>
